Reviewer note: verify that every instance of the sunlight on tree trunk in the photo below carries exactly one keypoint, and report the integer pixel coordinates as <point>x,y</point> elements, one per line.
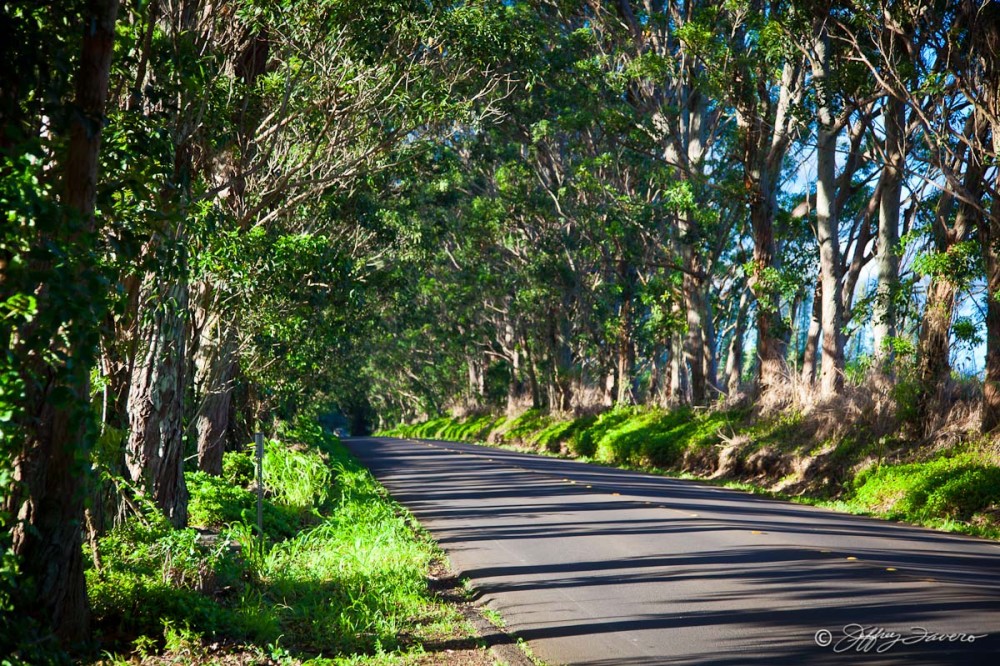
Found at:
<point>154,450</point>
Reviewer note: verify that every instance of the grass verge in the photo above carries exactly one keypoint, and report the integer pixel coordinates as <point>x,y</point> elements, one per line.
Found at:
<point>339,577</point>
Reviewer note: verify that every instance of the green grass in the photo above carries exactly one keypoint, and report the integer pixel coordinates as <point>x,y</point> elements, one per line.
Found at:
<point>656,438</point>
<point>948,488</point>
<point>520,428</point>
<point>557,434</point>
<point>470,429</point>
<point>340,576</point>
<point>493,617</point>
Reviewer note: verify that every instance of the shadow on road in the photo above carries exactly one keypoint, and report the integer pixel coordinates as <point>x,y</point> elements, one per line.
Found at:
<point>679,572</point>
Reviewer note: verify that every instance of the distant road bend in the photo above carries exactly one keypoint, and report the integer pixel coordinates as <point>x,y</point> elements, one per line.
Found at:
<point>604,567</point>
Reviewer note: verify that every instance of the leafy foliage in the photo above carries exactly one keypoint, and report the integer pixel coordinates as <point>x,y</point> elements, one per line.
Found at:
<point>347,584</point>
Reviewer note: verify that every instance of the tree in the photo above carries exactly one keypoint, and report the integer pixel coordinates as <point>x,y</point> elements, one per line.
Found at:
<point>51,464</point>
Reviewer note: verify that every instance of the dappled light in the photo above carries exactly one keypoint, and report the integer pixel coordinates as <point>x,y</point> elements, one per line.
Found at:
<point>752,243</point>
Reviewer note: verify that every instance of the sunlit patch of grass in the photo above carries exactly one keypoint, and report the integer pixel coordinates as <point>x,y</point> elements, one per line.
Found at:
<point>520,429</point>
<point>555,435</point>
<point>656,437</point>
<point>952,488</point>
<point>494,617</point>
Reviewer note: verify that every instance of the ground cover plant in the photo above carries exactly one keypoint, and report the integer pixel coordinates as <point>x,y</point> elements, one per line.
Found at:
<point>340,574</point>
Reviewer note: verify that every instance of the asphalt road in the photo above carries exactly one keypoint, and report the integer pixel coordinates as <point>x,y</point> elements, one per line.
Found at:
<point>599,566</point>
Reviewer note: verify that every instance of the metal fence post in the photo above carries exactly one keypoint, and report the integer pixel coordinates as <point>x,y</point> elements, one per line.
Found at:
<point>259,441</point>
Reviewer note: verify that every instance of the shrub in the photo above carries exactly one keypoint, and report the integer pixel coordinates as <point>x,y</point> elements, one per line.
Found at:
<point>215,501</point>
<point>238,468</point>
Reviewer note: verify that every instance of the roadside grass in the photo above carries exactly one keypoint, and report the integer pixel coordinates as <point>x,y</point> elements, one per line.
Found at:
<point>340,576</point>
<point>471,428</point>
<point>559,434</point>
<point>961,489</point>
<point>519,428</point>
<point>788,455</point>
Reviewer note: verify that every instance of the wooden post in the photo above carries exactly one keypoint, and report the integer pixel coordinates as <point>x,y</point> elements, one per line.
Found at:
<point>259,441</point>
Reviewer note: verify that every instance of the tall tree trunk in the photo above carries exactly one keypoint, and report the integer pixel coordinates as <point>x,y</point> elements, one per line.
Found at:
<point>215,371</point>
<point>709,359</point>
<point>52,465</point>
<point>795,310</point>
<point>990,239</point>
<point>827,229</point>
<point>652,396</point>
<point>770,341</point>
<point>625,368</point>
<point>678,371</point>
<point>477,381</point>
<point>766,135</point>
<point>734,359</point>
<point>154,451</point>
<point>810,356</point>
<point>988,44</point>
<point>562,355</point>
<point>887,261</point>
<point>934,344</point>
<point>694,341</point>
<point>515,387</point>
<point>531,368</point>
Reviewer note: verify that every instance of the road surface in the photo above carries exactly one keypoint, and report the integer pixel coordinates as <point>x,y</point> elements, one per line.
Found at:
<point>603,567</point>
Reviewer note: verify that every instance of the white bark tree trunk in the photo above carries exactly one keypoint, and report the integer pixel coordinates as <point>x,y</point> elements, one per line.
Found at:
<point>827,229</point>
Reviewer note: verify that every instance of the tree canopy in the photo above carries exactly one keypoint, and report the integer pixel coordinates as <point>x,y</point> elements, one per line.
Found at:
<point>222,213</point>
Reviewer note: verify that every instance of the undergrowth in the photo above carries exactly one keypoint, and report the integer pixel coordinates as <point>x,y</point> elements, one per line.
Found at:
<point>339,574</point>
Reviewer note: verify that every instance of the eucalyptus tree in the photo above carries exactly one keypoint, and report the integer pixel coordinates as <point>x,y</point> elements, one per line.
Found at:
<point>882,36</point>
<point>183,83</point>
<point>53,105</point>
<point>827,223</point>
<point>979,77</point>
<point>929,49</point>
<point>760,76</point>
<point>661,51</point>
<point>905,49</point>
